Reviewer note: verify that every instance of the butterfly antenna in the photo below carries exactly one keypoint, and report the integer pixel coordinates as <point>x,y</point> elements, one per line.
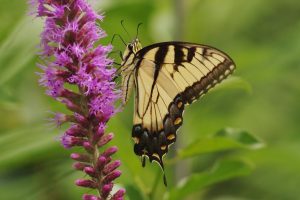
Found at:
<point>137,29</point>
<point>122,24</point>
<point>117,51</point>
<point>112,39</point>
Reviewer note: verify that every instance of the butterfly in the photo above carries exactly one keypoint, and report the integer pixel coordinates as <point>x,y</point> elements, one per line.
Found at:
<point>166,77</point>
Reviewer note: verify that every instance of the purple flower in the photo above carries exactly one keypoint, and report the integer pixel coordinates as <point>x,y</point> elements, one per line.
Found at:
<point>71,59</point>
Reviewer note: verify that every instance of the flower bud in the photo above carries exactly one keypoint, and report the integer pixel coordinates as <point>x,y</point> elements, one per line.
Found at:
<point>110,151</point>
<point>101,162</point>
<point>80,166</point>
<point>119,195</point>
<point>70,141</point>
<point>81,119</point>
<point>90,197</point>
<point>88,147</point>
<point>111,166</point>
<point>106,189</point>
<point>99,132</point>
<point>76,130</point>
<point>112,176</point>
<point>105,139</point>
<point>90,171</point>
<point>80,157</point>
<point>86,183</point>
<point>71,106</point>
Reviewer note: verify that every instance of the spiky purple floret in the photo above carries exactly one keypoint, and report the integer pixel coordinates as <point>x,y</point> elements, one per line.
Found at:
<point>72,41</point>
<point>50,80</point>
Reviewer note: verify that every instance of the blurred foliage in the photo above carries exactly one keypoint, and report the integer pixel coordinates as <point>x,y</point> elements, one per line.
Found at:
<point>263,98</point>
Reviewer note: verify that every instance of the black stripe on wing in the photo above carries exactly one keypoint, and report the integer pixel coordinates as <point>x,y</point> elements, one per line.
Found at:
<point>191,46</point>
<point>159,58</point>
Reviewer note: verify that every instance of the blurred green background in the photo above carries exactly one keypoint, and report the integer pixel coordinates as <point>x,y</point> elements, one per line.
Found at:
<point>263,98</point>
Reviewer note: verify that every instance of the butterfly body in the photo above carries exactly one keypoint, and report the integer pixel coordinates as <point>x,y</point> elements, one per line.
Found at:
<point>166,77</point>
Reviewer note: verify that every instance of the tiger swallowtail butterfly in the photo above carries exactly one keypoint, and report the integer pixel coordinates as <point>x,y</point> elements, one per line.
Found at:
<point>166,77</point>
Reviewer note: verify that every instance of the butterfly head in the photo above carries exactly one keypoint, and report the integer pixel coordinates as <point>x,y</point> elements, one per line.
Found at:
<point>130,51</point>
<point>134,46</point>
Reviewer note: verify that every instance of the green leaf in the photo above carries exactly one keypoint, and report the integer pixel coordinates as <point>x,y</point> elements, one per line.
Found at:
<point>246,139</point>
<point>19,48</point>
<point>26,145</point>
<point>226,139</point>
<point>223,170</point>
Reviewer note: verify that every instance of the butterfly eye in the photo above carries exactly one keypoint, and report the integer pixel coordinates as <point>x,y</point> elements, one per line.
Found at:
<point>130,47</point>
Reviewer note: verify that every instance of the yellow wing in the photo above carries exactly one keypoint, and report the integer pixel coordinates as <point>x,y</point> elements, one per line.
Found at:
<point>167,76</point>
